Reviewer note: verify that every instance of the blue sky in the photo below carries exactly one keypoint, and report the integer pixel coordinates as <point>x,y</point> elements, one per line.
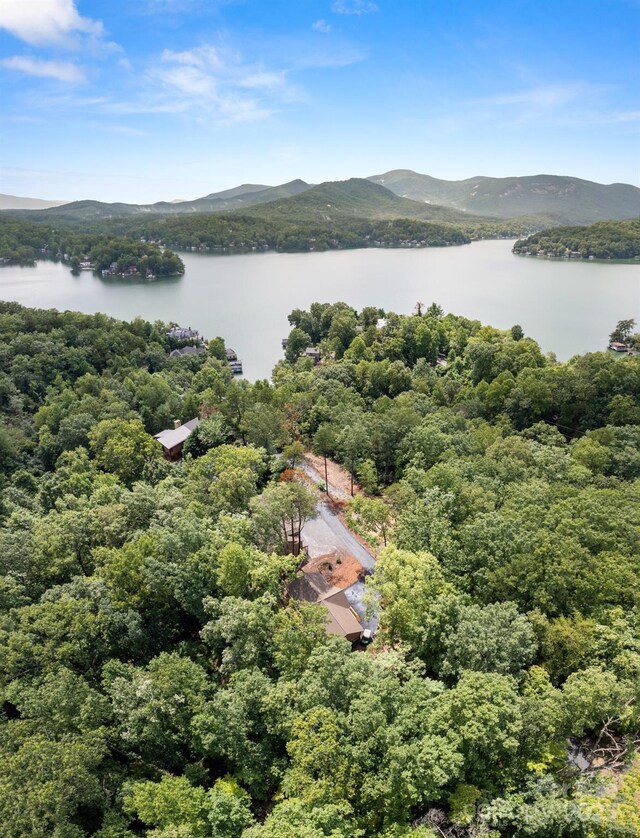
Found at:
<point>145,100</point>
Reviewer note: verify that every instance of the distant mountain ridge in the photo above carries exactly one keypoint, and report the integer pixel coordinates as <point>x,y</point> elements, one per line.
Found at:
<point>228,200</point>
<point>400,193</point>
<point>353,198</point>
<point>9,202</point>
<point>568,198</point>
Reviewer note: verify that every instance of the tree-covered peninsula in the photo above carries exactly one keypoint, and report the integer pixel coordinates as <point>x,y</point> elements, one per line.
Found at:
<point>159,678</point>
<point>24,242</point>
<point>602,240</point>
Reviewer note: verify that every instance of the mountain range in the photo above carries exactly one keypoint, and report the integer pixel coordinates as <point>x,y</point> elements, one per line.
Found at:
<point>400,193</point>
<point>571,198</point>
<point>13,202</point>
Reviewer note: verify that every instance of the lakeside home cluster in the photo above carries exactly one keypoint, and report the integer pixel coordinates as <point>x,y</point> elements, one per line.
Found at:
<point>112,270</point>
<point>197,346</point>
<point>87,265</point>
<point>549,254</point>
<point>312,245</point>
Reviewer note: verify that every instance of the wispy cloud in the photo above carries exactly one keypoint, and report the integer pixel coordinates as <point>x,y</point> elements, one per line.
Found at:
<point>321,26</point>
<point>60,70</point>
<point>557,104</point>
<point>179,6</point>
<point>19,119</point>
<point>621,117</point>
<point>560,105</point>
<point>214,83</point>
<point>543,96</point>
<point>43,22</point>
<point>219,82</point>
<point>354,7</point>
<point>126,130</point>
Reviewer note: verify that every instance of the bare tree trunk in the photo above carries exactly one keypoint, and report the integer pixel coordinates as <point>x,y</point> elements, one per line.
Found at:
<point>326,476</point>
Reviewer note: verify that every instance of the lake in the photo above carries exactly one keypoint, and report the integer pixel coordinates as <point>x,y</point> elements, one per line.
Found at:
<point>569,307</point>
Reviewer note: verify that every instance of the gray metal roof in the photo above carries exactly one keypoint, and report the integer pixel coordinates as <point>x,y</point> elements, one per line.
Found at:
<point>171,437</point>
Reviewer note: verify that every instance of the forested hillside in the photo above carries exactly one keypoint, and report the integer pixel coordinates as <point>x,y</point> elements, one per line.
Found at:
<point>155,677</point>
<point>602,240</point>
<point>23,242</point>
<point>334,216</point>
<point>571,200</point>
<point>129,240</point>
<point>395,194</point>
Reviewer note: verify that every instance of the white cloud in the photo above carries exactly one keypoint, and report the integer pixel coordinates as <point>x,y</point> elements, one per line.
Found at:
<point>354,7</point>
<point>561,104</point>
<point>265,79</point>
<point>321,26</point>
<point>60,70</point>
<point>188,80</point>
<point>205,57</point>
<point>217,82</point>
<point>543,96</point>
<point>41,22</point>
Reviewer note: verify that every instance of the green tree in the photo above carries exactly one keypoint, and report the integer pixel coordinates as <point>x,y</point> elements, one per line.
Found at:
<point>228,476</point>
<point>280,512</point>
<point>493,638</point>
<point>320,772</point>
<point>172,802</point>
<point>353,445</point>
<point>235,566</point>
<point>45,784</point>
<point>406,584</point>
<point>293,454</point>
<point>374,513</point>
<point>124,448</point>
<point>153,707</point>
<point>623,331</point>
<point>324,446</point>
<point>297,342</point>
<point>483,714</point>
<point>299,629</point>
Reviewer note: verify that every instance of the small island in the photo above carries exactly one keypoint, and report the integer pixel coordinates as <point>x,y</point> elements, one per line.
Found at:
<point>608,240</point>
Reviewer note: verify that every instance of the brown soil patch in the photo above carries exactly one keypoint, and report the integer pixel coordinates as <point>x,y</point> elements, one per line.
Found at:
<point>340,571</point>
<point>339,477</point>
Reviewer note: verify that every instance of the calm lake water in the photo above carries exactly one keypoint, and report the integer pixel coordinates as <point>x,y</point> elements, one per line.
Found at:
<point>568,307</point>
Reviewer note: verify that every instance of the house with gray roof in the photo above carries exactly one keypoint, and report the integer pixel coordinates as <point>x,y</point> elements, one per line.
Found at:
<point>186,350</point>
<point>173,439</point>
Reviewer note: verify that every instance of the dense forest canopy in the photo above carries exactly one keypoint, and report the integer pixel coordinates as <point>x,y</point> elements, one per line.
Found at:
<point>156,679</point>
<point>602,240</point>
<point>23,242</point>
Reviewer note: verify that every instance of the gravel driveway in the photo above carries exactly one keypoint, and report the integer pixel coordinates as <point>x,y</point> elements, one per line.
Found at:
<point>326,534</point>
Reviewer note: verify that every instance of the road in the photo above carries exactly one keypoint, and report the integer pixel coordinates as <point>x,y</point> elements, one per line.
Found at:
<point>326,534</point>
